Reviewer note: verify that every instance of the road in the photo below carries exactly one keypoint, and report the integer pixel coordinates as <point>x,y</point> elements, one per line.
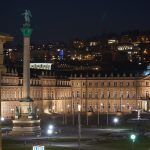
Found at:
<point>91,134</point>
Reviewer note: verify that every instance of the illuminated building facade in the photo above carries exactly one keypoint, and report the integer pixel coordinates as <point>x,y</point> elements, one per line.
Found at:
<point>95,92</point>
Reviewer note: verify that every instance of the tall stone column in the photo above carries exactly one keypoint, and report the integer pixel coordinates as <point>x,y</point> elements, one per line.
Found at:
<point>26,101</point>
<point>26,120</point>
<point>27,31</point>
<point>26,67</point>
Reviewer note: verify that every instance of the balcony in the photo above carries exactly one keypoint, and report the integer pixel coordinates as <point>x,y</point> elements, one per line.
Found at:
<point>145,98</point>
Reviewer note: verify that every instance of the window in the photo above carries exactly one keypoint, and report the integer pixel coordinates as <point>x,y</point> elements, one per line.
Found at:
<point>121,94</point>
<point>134,94</point>
<point>127,84</point>
<point>96,84</point>
<point>83,94</point>
<point>96,95</point>
<point>147,83</point>
<point>102,84</point>
<point>134,84</point>
<point>108,84</point>
<point>115,95</point>
<point>128,107</point>
<point>83,83</point>
<point>90,84</point>
<point>102,95</point>
<point>147,94</point>
<point>121,83</point>
<point>52,94</point>
<point>108,94</point>
<point>77,83</point>
<point>108,105</point>
<point>127,94</point>
<point>90,94</point>
<point>115,84</point>
<point>102,106</point>
<point>78,94</point>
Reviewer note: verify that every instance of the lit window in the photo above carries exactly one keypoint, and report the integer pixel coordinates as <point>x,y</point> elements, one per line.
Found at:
<point>147,83</point>
<point>121,83</point>
<point>90,95</point>
<point>90,84</point>
<point>115,84</point>
<point>127,84</point>
<point>127,95</point>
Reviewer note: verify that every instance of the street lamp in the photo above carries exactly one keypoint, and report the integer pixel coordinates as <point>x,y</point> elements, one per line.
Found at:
<point>133,137</point>
<point>115,120</point>
<point>50,129</point>
<point>79,126</point>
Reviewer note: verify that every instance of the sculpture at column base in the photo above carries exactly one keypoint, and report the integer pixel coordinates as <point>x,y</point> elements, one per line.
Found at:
<point>26,123</point>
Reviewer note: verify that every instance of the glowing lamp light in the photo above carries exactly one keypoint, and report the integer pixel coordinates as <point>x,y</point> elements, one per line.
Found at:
<point>2,118</point>
<point>50,127</point>
<point>49,131</point>
<point>116,120</point>
<point>133,137</point>
<point>79,107</point>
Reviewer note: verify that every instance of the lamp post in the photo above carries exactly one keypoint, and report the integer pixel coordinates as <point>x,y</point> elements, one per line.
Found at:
<point>108,107</point>
<point>133,137</point>
<point>79,126</point>
<point>97,112</point>
<point>37,114</point>
<point>62,112</point>
<point>12,111</point>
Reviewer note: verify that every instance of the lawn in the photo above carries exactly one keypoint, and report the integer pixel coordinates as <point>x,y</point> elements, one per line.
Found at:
<point>22,147</point>
<point>126,144</point>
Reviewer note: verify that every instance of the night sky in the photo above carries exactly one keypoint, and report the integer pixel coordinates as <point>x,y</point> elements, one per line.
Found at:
<point>55,20</point>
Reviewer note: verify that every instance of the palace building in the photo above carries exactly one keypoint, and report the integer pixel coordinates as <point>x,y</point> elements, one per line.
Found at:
<point>53,93</point>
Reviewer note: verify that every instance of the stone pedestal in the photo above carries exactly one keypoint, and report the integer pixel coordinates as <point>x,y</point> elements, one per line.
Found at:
<point>26,126</point>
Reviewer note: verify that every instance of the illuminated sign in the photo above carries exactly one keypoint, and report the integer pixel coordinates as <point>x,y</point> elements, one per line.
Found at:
<point>38,147</point>
<point>112,41</point>
<point>42,66</point>
<point>124,47</point>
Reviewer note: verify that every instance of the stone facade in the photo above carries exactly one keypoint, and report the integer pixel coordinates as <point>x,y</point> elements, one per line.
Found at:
<point>51,94</point>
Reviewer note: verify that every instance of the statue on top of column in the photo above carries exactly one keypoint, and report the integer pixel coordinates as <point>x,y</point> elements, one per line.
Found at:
<point>27,15</point>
